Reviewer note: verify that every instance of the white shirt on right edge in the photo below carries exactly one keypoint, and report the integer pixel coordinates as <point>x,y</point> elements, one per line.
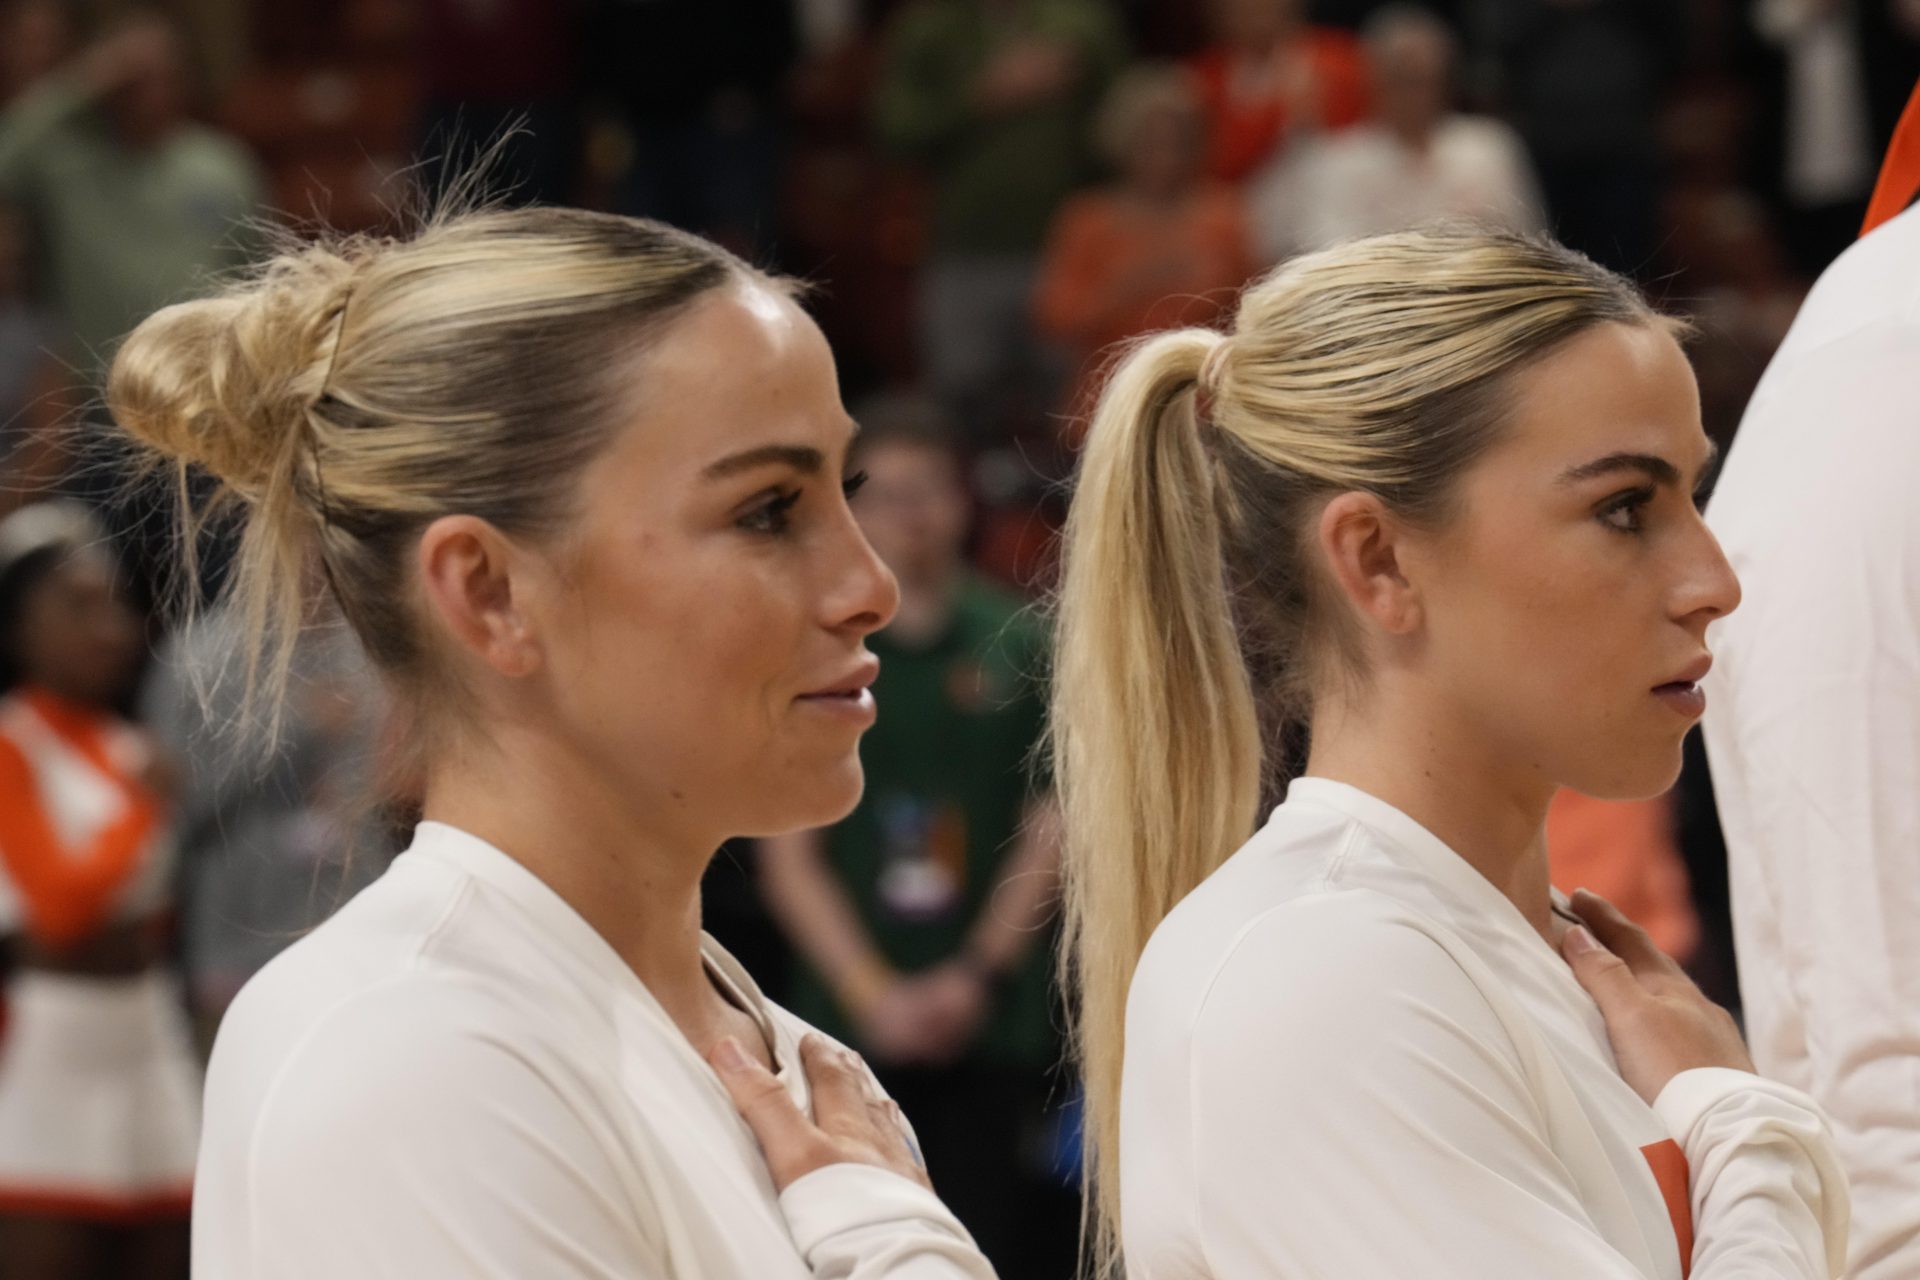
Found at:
<point>1813,724</point>
<point>1349,1057</point>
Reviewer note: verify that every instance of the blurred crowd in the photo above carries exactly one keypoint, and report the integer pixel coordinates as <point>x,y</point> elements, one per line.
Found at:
<point>988,195</point>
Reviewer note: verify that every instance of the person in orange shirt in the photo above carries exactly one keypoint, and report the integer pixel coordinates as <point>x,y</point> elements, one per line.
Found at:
<point>1626,851</point>
<point>99,1086</point>
<point>1161,247</point>
<point>1271,75</point>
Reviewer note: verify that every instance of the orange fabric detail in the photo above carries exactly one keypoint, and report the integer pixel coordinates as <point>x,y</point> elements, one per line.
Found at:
<point>93,1206</point>
<point>1626,851</point>
<point>1900,173</point>
<point>66,892</point>
<point>1669,1165</point>
<point>1243,130</point>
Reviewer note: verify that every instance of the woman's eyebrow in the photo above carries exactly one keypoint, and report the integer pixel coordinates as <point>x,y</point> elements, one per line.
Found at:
<point>801,457</point>
<point>1651,465</point>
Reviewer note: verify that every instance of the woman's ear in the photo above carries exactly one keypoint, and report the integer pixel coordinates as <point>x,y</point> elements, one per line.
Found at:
<point>1362,543</point>
<point>467,569</point>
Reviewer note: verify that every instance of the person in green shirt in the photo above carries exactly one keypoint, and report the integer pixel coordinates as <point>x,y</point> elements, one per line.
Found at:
<point>994,99</point>
<point>133,206</point>
<point>922,919</point>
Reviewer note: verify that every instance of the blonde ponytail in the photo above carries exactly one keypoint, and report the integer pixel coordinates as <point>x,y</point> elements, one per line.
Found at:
<point>1195,625</point>
<point>1155,734</point>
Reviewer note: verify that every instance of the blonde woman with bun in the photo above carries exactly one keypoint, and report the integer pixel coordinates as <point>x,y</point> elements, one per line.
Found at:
<point>576,483</point>
<point>1422,523</point>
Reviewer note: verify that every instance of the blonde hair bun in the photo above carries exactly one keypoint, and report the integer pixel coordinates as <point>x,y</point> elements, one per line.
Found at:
<point>224,383</point>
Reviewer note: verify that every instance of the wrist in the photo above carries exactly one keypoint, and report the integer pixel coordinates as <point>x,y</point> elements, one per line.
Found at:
<point>991,976</point>
<point>863,984</point>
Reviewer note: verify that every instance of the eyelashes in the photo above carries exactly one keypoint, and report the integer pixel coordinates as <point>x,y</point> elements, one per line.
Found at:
<point>1624,512</point>
<point>774,517</point>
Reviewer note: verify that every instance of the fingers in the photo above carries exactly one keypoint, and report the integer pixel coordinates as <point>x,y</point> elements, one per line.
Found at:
<point>838,1083</point>
<point>1605,975</point>
<point>761,1100</point>
<point>1620,935</point>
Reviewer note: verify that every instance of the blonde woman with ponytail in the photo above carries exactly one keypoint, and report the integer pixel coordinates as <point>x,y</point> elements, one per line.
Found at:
<point>576,483</point>
<point>1420,528</point>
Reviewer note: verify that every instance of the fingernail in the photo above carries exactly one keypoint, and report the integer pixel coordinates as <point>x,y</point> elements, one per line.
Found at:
<point>728,1055</point>
<point>1580,941</point>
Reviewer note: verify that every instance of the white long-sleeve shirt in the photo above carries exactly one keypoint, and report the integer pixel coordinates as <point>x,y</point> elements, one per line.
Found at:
<point>455,1077</point>
<point>1349,1057</point>
<point>1813,724</point>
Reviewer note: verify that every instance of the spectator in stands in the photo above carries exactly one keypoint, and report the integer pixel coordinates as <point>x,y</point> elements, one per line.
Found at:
<point>24,333</point>
<point>1161,247</point>
<point>99,1087</point>
<point>697,86</point>
<point>134,201</point>
<point>994,97</point>
<point>1271,78</point>
<point>134,205</point>
<point>1584,81</point>
<point>494,66</point>
<point>269,847</point>
<point>35,37</point>
<point>1626,851</point>
<point>1418,160</point>
<point>920,918</point>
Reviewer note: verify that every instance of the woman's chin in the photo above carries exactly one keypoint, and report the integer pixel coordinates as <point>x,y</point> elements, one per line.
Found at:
<point>824,799</point>
<point>1642,777</point>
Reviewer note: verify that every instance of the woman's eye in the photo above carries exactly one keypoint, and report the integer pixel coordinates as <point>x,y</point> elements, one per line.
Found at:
<point>853,483</point>
<point>772,515</point>
<point>1624,513</point>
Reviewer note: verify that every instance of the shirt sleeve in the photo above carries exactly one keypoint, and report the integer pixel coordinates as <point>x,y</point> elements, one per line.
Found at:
<point>410,1137</point>
<point>857,1222</point>
<point>1369,1116</point>
<point>1766,1183</point>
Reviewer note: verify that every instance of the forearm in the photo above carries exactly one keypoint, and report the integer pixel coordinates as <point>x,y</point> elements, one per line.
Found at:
<point>819,918</point>
<point>853,1222</point>
<point>1023,899</point>
<point>1768,1195</point>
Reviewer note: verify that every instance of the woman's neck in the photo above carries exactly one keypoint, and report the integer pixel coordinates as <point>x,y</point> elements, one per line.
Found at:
<point>635,881</point>
<point>1438,772</point>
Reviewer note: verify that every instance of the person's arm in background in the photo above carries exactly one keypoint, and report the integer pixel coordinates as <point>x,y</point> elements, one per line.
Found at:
<point>929,1016</point>
<point>956,997</point>
<point>818,917</point>
<point>32,126</point>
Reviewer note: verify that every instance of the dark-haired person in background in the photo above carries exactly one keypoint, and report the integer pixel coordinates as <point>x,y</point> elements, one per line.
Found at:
<point>99,1088</point>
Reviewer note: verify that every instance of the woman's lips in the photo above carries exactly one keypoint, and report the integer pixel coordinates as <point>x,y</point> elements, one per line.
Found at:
<point>856,707</point>
<point>1683,696</point>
